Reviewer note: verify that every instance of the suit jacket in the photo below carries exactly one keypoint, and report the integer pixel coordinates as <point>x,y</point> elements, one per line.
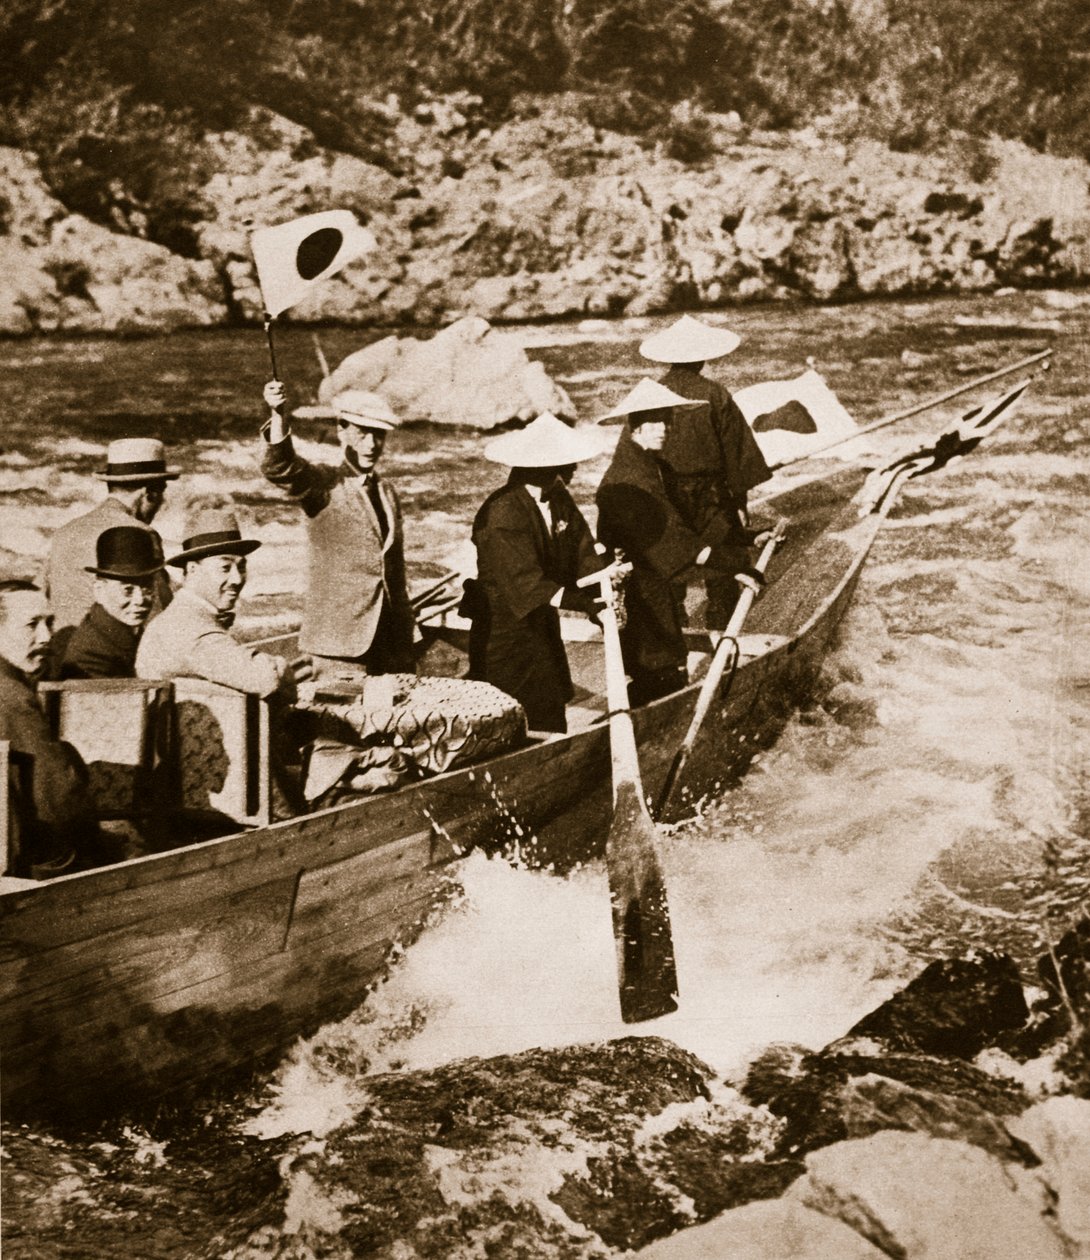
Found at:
<point>100,647</point>
<point>56,820</point>
<point>638,513</point>
<point>187,640</point>
<point>67,586</point>
<point>354,573</point>
<point>515,641</point>
<point>712,451</point>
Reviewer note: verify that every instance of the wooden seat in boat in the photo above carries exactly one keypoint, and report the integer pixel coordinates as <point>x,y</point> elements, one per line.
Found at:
<point>221,753</point>
<point>118,727</point>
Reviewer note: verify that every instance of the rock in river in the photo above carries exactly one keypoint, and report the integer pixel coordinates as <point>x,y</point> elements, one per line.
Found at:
<point>468,374</point>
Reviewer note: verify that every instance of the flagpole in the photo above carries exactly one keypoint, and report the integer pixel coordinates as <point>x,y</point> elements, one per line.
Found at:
<point>272,346</point>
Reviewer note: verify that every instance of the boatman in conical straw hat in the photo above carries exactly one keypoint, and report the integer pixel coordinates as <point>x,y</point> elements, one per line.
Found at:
<point>533,545</point>
<point>136,477</point>
<point>357,618</point>
<point>640,512</point>
<point>711,449</point>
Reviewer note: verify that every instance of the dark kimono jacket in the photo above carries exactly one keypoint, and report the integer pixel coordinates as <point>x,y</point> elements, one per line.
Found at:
<point>712,451</point>
<point>515,641</point>
<point>638,512</point>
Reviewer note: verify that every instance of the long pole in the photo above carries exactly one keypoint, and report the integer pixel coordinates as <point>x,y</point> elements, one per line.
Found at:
<point>1040,357</point>
<point>272,346</point>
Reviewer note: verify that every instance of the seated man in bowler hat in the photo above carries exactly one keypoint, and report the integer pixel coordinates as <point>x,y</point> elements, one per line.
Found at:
<point>136,476</point>
<point>104,643</point>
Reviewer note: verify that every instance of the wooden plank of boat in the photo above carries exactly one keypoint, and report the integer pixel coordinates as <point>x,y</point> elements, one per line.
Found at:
<point>323,896</point>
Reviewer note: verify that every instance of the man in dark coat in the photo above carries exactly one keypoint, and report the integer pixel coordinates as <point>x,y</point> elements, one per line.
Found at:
<point>533,545</point>
<point>710,449</point>
<point>639,513</point>
<point>104,643</point>
<point>136,477</point>
<point>52,821</point>
<point>356,614</point>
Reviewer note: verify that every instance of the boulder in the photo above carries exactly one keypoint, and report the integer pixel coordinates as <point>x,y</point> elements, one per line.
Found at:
<point>822,1098</point>
<point>467,374</point>
<point>781,1227</point>
<point>923,1198</point>
<point>953,1007</point>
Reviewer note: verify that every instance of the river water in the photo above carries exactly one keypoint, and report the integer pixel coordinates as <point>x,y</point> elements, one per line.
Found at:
<point>933,798</point>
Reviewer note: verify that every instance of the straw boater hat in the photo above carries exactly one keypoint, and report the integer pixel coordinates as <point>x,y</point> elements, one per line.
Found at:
<point>127,553</point>
<point>689,341</point>
<point>361,407</point>
<point>213,532</point>
<point>648,395</point>
<point>544,443</point>
<point>132,461</point>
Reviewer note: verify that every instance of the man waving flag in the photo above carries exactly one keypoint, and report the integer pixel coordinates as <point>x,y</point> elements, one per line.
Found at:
<point>291,258</point>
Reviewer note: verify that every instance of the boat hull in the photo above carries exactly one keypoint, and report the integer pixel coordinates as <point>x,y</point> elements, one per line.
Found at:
<point>164,972</point>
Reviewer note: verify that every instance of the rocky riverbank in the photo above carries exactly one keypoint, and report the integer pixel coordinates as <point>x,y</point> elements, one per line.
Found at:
<point>550,215</point>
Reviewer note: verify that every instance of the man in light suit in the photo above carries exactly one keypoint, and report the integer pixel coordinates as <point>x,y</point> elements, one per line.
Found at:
<point>356,616</point>
<point>136,476</point>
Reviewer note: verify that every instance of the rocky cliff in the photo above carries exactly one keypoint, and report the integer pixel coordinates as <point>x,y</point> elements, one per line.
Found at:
<point>549,216</point>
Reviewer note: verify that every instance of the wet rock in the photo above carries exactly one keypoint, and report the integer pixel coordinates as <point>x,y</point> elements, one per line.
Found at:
<point>1058,1132</point>
<point>1073,955</point>
<point>784,1229</point>
<point>922,1198</point>
<point>549,1153</point>
<point>819,1099</point>
<point>953,1007</point>
<point>467,374</point>
<point>871,1103</point>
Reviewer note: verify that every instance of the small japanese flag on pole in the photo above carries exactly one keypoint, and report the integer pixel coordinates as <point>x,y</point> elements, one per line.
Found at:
<point>291,258</point>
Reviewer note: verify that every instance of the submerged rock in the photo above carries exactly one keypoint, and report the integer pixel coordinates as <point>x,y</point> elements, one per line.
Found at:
<point>467,374</point>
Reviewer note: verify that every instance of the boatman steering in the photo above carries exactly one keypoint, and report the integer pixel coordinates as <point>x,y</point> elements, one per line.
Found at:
<point>356,616</point>
<point>710,449</point>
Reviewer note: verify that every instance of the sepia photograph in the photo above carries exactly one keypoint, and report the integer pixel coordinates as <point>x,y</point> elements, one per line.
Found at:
<point>545,630</point>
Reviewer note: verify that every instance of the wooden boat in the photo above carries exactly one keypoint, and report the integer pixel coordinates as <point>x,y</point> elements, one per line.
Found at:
<point>158,973</point>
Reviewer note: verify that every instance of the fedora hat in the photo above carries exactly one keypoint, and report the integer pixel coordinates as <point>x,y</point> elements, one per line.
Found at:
<point>213,532</point>
<point>127,552</point>
<point>544,443</point>
<point>648,395</point>
<point>360,406</point>
<point>135,460</point>
<point>689,341</point>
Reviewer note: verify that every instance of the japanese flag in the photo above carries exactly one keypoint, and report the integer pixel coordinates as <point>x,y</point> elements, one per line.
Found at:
<point>291,258</point>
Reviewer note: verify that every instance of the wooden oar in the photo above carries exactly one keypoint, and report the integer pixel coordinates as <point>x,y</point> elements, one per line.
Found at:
<point>1042,356</point>
<point>710,687</point>
<point>646,972</point>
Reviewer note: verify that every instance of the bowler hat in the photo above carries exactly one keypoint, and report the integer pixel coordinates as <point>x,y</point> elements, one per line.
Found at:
<point>128,553</point>
<point>689,340</point>
<point>648,395</point>
<point>132,461</point>
<point>544,443</point>
<point>213,532</point>
<point>360,406</point>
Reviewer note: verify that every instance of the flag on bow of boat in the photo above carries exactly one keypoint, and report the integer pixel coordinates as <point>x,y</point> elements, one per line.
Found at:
<point>291,258</point>
<point>966,434</point>
<point>791,418</point>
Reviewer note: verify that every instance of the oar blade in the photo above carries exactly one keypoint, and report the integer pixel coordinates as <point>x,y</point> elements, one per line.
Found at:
<point>646,971</point>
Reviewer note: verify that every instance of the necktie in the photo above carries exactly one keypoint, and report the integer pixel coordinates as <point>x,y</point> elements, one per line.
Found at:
<point>371,486</point>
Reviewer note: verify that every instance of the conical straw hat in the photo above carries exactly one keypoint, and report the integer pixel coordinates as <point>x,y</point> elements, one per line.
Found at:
<point>648,395</point>
<point>689,341</point>
<point>544,443</point>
